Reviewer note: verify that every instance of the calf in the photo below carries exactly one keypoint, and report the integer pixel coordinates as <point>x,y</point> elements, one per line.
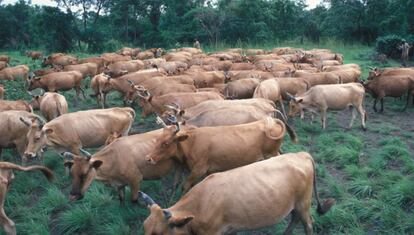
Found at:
<point>336,97</point>
<point>246,198</point>
<point>6,178</point>
<point>121,163</point>
<point>206,150</point>
<point>35,55</point>
<point>50,104</point>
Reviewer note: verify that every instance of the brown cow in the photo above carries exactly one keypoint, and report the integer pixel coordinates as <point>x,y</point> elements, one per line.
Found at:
<point>336,97</point>
<point>390,85</point>
<point>317,78</point>
<point>42,72</point>
<point>12,73</point>
<point>270,89</point>
<point>59,59</point>
<point>292,86</point>
<point>157,104</point>
<point>6,178</point>
<point>348,75</point>
<point>2,91</point>
<point>120,164</point>
<point>375,72</point>
<point>208,79</point>
<point>241,89</point>
<point>59,81</point>
<point>67,133</point>
<point>14,131</point>
<point>5,58</point>
<point>3,64</point>
<point>206,150</point>
<point>246,198</point>
<point>50,104</point>
<point>97,60</point>
<point>15,105</point>
<point>129,66</point>
<point>113,57</point>
<point>242,66</point>
<point>35,55</point>
<point>340,67</point>
<point>86,69</point>
<point>99,85</point>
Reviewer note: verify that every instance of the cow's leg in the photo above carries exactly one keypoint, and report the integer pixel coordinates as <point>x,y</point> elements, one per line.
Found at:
<point>323,118</point>
<point>8,224</point>
<point>363,116</point>
<point>20,147</point>
<point>408,100</point>
<point>121,194</point>
<point>1,150</point>
<point>283,108</point>
<point>302,114</point>
<point>306,219</point>
<point>83,92</point>
<point>177,176</point>
<point>375,105</point>
<point>353,115</point>
<point>382,104</point>
<point>293,222</point>
<point>134,184</point>
<point>196,173</point>
<point>104,99</point>
<point>101,100</point>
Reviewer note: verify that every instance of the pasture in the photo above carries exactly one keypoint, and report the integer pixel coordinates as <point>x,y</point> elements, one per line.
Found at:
<point>370,174</point>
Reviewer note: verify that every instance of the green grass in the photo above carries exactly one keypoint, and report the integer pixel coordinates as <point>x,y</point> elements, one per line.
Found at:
<point>371,174</point>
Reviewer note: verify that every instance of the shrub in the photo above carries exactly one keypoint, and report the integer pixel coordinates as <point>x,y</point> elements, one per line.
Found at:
<point>388,44</point>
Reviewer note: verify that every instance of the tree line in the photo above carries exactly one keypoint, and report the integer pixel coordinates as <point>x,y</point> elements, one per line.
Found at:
<point>99,25</point>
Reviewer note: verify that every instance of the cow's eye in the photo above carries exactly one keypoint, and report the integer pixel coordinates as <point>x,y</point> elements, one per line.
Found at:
<point>37,138</point>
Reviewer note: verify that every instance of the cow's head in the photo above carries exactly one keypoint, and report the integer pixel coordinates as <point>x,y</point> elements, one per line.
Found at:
<point>36,137</point>
<point>34,82</point>
<point>373,73</point>
<point>295,104</point>
<point>83,172</point>
<point>166,145</point>
<point>46,62</point>
<point>173,112</point>
<point>163,221</point>
<point>35,102</point>
<point>145,100</point>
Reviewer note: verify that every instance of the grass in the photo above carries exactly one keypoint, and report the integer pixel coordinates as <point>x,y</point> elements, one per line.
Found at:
<point>371,174</point>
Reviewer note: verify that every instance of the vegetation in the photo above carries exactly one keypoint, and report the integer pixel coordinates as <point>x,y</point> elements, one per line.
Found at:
<point>371,173</point>
<point>104,25</point>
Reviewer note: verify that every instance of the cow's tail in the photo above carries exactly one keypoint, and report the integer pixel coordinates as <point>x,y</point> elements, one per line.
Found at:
<point>46,171</point>
<point>29,108</point>
<point>292,133</point>
<point>268,128</point>
<point>324,207</point>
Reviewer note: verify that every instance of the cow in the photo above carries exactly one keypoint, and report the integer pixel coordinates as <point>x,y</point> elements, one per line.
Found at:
<point>314,79</point>
<point>12,73</point>
<point>3,64</point>
<point>348,75</point>
<point>336,97</point>
<point>6,179</point>
<point>270,89</point>
<point>86,69</point>
<point>14,131</point>
<point>42,72</point>
<point>206,150</point>
<point>126,51</point>
<point>241,89</point>
<point>98,85</point>
<point>96,60</point>
<point>246,198</point>
<point>67,133</point>
<point>50,104</point>
<point>340,67</point>
<point>59,81</point>
<point>158,104</point>
<point>59,59</point>
<point>121,163</point>
<point>292,86</point>
<point>375,72</point>
<point>390,85</point>
<point>129,66</point>
<point>163,87</point>
<point>242,66</point>
<point>2,91</point>
<point>35,55</point>
<point>5,58</point>
<point>144,55</point>
<point>15,105</point>
<point>113,57</point>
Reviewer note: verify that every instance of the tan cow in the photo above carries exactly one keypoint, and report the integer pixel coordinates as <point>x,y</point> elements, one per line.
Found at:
<point>206,150</point>
<point>157,104</point>
<point>246,198</point>
<point>113,57</point>
<point>6,179</point>
<point>2,91</point>
<point>336,97</point>
<point>14,131</point>
<point>208,79</point>
<point>129,66</point>
<point>50,104</point>
<point>390,85</point>
<point>86,69</point>
<point>314,79</point>
<point>340,67</point>
<point>68,133</point>
<point>241,89</point>
<point>242,66</point>
<point>121,163</point>
<point>15,105</point>
<point>12,73</point>
<point>99,85</point>
<point>59,81</point>
<point>35,55</point>
<point>270,89</point>
<point>348,75</point>
<point>42,72</point>
<point>3,64</point>
<point>97,60</point>
<point>376,73</point>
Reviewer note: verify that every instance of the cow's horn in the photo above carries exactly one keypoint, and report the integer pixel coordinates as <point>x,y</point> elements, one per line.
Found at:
<point>371,68</point>
<point>167,214</point>
<point>41,122</point>
<point>147,199</point>
<point>27,123</point>
<point>160,121</point>
<point>86,153</point>
<point>67,155</point>
<point>130,82</point>
<point>289,96</point>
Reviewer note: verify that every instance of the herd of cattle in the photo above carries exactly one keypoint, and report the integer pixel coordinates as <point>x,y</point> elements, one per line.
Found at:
<point>221,112</point>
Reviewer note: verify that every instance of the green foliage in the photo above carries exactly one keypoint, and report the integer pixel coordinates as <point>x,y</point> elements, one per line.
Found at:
<point>389,44</point>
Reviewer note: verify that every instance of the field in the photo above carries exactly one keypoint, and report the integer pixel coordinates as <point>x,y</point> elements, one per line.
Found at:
<point>371,174</point>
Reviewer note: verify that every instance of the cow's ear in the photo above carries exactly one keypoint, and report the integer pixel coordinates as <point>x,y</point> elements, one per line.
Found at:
<point>181,112</point>
<point>299,100</point>
<point>180,221</point>
<point>96,164</point>
<point>181,137</point>
<point>48,131</point>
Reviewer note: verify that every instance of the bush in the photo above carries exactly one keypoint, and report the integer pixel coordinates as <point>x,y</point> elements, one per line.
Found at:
<point>388,45</point>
